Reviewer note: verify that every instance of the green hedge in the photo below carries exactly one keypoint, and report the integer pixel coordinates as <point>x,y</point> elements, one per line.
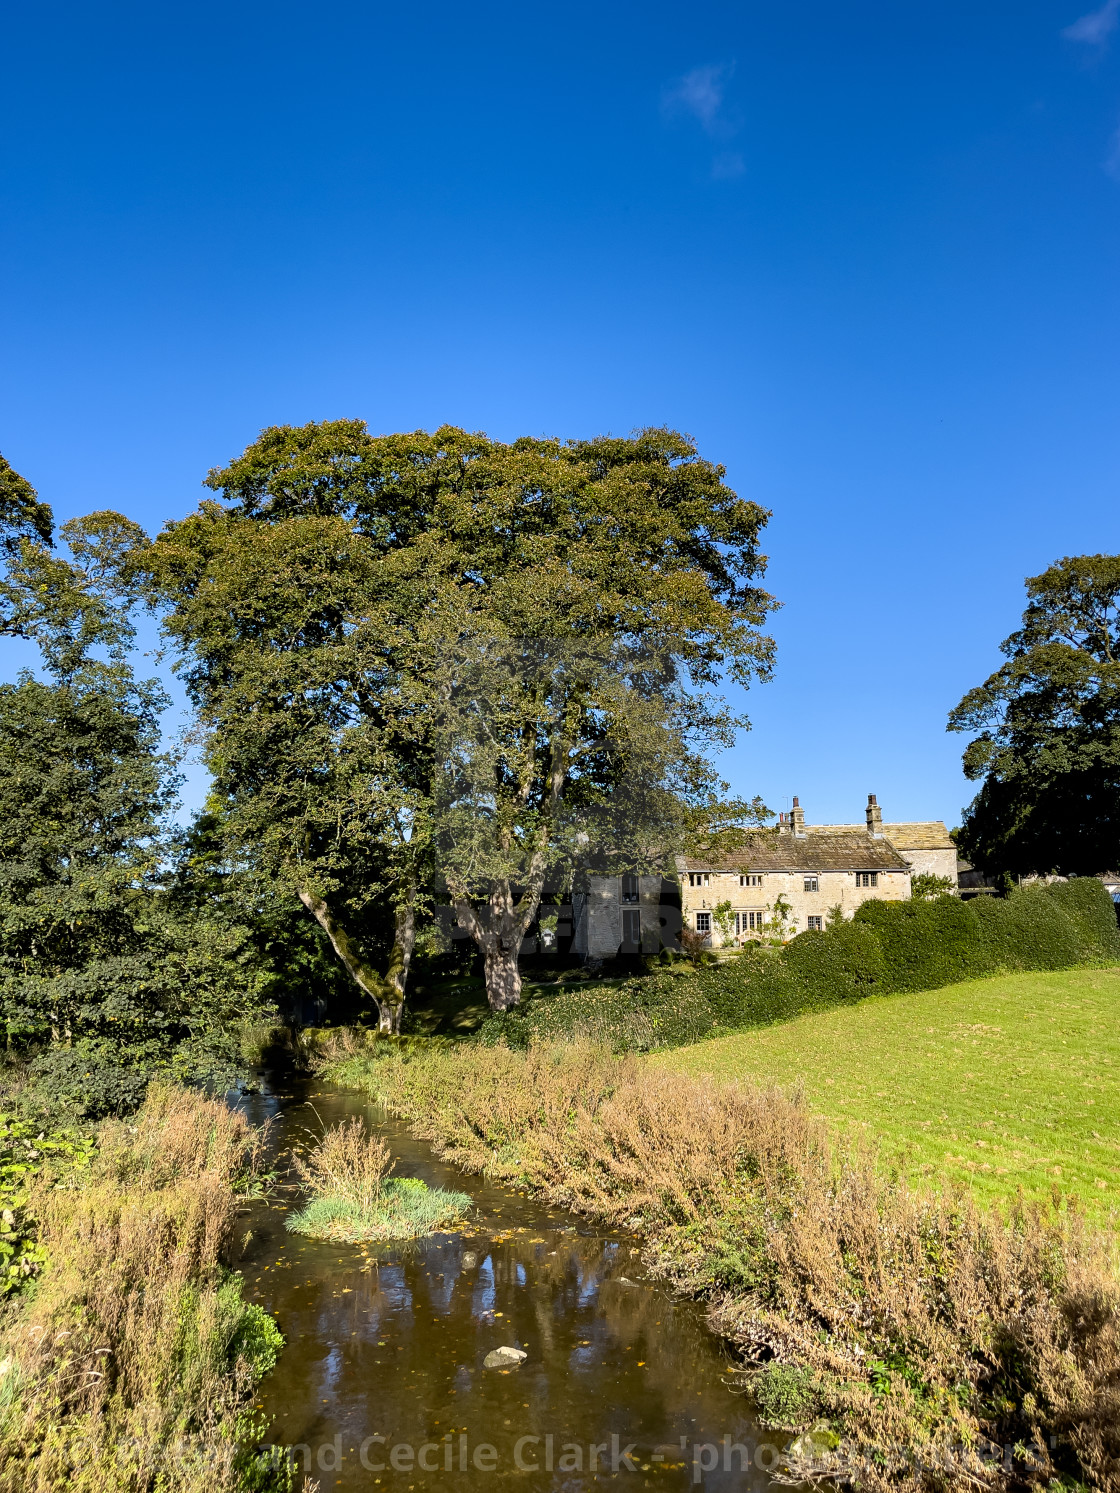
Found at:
<point>887,947</point>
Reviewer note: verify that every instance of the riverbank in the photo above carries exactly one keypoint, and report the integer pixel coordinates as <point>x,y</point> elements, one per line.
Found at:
<point>993,1085</point>
<point>128,1360</point>
<point>905,1325</point>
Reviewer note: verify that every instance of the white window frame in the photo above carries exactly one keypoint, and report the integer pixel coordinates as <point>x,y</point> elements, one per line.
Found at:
<point>703,922</point>
<point>812,882</point>
<point>750,880</point>
<point>814,924</point>
<point>867,879</point>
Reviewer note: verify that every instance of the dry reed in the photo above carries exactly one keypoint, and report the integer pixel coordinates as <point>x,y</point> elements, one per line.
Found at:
<point>125,1369</point>
<point>921,1324</point>
<point>348,1163</point>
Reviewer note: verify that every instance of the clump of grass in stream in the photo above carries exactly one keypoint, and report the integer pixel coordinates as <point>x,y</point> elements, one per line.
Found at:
<point>921,1323</point>
<point>353,1196</point>
<point>406,1209</point>
<point>129,1368</point>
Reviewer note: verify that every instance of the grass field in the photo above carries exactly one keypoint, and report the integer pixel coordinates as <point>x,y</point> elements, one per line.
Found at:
<point>996,1084</point>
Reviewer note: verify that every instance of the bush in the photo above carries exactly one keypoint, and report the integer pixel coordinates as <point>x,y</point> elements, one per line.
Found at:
<point>89,1080</point>
<point>28,1155</point>
<point>847,961</point>
<point>785,1395</point>
<point>886,948</point>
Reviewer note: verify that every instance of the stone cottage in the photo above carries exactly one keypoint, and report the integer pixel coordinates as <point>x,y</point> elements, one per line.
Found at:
<point>784,881</point>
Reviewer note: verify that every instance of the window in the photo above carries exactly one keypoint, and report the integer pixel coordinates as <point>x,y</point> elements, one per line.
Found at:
<point>815,925</point>
<point>703,922</point>
<point>698,878</point>
<point>631,930</point>
<point>629,888</point>
<point>812,884</point>
<point>749,922</point>
<point>750,880</point>
<point>867,878</point>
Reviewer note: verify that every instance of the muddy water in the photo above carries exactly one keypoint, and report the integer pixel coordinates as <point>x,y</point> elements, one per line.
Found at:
<point>382,1384</point>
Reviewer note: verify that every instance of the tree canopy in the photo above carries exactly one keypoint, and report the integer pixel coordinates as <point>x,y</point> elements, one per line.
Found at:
<point>22,514</point>
<point>1047,748</point>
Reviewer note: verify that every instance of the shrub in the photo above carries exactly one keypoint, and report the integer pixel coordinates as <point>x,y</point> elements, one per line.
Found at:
<point>842,964</point>
<point>785,1395</point>
<point>89,1080</point>
<point>926,944</point>
<point>28,1154</point>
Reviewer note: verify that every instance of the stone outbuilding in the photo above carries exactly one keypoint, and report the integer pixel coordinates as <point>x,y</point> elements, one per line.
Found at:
<point>625,915</point>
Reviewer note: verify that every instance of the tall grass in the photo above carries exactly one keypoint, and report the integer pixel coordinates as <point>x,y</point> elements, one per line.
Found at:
<point>911,1323</point>
<point>347,1163</point>
<point>130,1368</point>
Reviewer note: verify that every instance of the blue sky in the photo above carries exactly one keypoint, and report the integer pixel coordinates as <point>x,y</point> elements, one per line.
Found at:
<point>867,254</point>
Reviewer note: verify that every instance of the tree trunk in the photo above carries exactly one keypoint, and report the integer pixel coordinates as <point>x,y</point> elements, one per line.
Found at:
<point>503,977</point>
<point>499,931</point>
<point>390,1005</point>
<point>386,991</point>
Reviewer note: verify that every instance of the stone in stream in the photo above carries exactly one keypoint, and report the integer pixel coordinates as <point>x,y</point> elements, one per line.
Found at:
<point>504,1358</point>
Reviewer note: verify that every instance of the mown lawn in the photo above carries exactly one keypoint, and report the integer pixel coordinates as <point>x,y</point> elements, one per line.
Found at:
<point>997,1084</point>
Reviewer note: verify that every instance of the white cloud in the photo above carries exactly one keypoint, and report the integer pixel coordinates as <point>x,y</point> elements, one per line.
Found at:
<point>1097,26</point>
<point>728,165</point>
<point>700,93</point>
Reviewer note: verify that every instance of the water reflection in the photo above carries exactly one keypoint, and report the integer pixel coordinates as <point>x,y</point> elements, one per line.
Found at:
<point>386,1347</point>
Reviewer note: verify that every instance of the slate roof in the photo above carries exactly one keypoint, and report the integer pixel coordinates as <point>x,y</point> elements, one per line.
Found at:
<point>821,850</point>
<point>928,835</point>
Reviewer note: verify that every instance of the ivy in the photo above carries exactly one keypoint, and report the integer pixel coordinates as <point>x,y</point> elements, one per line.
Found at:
<point>27,1154</point>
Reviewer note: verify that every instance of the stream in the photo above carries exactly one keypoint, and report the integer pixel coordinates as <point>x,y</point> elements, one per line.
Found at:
<point>382,1385</point>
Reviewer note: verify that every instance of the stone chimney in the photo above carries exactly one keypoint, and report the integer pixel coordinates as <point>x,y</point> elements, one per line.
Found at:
<point>797,820</point>
<point>874,818</point>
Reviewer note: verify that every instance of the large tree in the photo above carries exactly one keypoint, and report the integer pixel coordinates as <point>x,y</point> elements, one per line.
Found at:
<point>441,659</point>
<point>110,967</point>
<point>1047,748</point>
